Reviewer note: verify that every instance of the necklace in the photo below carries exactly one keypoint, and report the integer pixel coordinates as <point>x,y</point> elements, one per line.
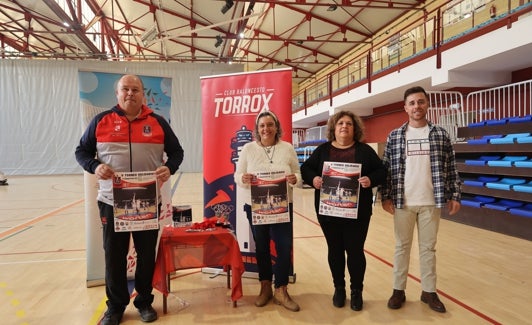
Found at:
<point>267,151</point>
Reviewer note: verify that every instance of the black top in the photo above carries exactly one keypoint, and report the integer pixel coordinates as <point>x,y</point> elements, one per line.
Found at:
<point>371,166</point>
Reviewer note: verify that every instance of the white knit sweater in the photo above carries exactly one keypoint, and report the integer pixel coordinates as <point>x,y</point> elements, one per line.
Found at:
<point>253,158</point>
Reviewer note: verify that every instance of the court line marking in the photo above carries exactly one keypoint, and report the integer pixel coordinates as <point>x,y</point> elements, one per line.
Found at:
<point>95,319</point>
<point>26,225</point>
<point>456,301</point>
<point>98,313</point>
<point>45,252</point>
<point>33,221</point>
<point>44,261</point>
<point>101,306</point>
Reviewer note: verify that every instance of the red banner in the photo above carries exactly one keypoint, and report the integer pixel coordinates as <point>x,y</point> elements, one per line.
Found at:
<point>230,105</point>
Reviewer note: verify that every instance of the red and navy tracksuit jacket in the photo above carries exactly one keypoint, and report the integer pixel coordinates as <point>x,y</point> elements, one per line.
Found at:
<point>127,146</point>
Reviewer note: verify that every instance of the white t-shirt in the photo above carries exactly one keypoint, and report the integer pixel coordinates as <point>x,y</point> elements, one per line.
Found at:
<point>419,189</point>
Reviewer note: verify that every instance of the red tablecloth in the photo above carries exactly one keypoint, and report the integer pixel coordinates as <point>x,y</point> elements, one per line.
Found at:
<point>179,249</point>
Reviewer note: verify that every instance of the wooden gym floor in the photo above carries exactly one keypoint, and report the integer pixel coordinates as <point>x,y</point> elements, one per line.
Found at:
<point>483,277</point>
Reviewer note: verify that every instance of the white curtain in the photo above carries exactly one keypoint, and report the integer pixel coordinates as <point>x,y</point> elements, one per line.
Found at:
<point>40,116</point>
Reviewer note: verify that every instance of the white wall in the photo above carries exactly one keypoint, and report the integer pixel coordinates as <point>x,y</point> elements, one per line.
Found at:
<point>40,116</point>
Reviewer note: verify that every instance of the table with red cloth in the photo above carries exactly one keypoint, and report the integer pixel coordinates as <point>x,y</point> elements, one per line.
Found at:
<point>181,249</point>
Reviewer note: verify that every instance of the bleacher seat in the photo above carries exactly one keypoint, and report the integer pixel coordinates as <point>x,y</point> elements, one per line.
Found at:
<point>518,119</point>
<point>504,204</point>
<point>501,121</point>
<point>507,161</point>
<point>481,161</point>
<point>524,211</point>
<point>471,203</point>
<point>477,201</point>
<point>484,140</point>
<point>527,187</point>
<point>524,163</point>
<point>505,183</point>
<point>524,139</point>
<point>476,124</point>
<point>481,181</point>
<point>313,142</point>
<point>509,138</point>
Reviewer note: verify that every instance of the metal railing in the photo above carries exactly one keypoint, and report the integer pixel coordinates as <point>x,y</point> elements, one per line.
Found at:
<point>440,26</point>
<point>513,100</point>
<point>446,110</point>
<point>449,110</point>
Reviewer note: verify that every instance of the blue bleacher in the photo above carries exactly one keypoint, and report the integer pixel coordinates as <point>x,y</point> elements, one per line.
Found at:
<point>504,205</point>
<point>481,181</point>
<point>524,139</point>
<point>477,201</point>
<point>481,161</point>
<point>501,182</point>
<point>507,161</point>
<point>501,121</point>
<point>476,124</point>
<point>527,187</point>
<point>484,140</point>
<point>524,211</point>
<point>312,142</point>
<point>509,138</point>
<point>505,183</point>
<point>518,119</point>
<point>524,163</point>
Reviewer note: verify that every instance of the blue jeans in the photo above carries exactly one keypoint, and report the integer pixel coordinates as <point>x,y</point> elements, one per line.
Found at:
<point>281,236</point>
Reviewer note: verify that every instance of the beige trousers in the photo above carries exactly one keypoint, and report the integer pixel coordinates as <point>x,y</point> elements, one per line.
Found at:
<point>427,219</point>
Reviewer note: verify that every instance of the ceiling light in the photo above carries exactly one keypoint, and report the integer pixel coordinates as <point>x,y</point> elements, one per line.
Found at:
<point>332,8</point>
<point>228,5</point>
<point>149,35</point>
<point>219,41</point>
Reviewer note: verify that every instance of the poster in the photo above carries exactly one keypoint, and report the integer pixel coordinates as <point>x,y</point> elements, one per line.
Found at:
<point>269,198</point>
<point>339,191</point>
<point>135,201</point>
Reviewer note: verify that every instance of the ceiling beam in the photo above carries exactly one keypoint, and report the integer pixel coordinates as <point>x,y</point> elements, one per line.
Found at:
<point>27,31</point>
<point>374,4</point>
<point>76,28</point>
<point>108,32</point>
<point>310,16</point>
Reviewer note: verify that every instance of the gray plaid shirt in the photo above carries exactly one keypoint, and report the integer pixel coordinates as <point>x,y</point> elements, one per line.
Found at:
<point>442,164</point>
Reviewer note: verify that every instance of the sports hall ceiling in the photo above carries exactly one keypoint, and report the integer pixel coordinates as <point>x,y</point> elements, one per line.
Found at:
<point>305,35</point>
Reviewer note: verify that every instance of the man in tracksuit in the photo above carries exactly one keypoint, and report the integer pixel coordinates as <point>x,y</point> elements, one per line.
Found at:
<point>128,138</point>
